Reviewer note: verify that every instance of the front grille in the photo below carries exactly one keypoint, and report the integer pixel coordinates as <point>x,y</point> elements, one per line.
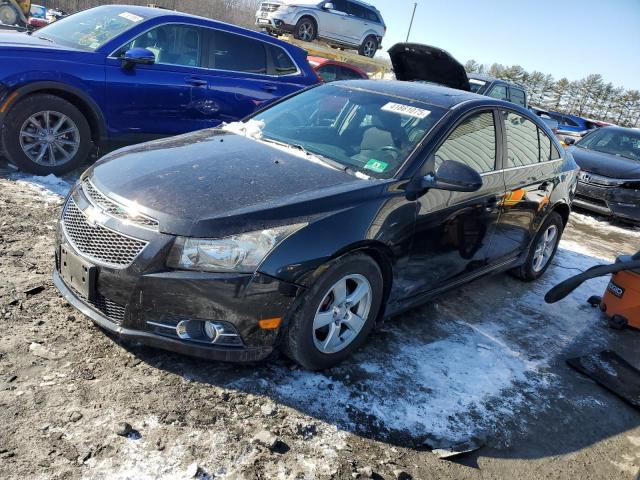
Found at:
<point>97,242</point>
<point>109,308</point>
<point>269,7</point>
<point>114,209</point>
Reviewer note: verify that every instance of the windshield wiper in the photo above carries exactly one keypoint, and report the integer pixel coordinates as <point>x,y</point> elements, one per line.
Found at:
<point>323,159</point>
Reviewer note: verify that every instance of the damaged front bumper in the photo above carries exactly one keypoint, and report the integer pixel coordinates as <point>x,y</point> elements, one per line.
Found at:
<point>621,201</point>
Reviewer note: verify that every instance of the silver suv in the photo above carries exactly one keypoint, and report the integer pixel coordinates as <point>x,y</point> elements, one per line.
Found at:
<point>345,23</point>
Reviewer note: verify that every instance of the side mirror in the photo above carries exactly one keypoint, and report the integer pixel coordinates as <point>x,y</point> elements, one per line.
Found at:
<point>328,6</point>
<point>569,140</point>
<point>138,56</point>
<point>451,175</point>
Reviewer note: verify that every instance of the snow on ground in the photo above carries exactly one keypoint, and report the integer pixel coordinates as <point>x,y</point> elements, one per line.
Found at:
<point>53,189</point>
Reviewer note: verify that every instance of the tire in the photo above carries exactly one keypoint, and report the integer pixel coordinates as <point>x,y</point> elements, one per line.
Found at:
<point>531,270</point>
<point>8,15</point>
<point>325,346</point>
<point>24,141</point>
<point>369,46</point>
<point>306,29</point>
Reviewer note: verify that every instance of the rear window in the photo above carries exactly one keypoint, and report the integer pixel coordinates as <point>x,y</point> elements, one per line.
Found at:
<point>522,140</point>
<point>237,53</point>
<point>518,97</point>
<point>282,63</point>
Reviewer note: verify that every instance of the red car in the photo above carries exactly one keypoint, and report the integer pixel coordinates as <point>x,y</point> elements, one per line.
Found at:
<point>332,70</point>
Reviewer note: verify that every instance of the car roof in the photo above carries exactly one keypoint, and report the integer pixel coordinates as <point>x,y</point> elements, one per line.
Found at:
<point>432,94</point>
<point>620,129</point>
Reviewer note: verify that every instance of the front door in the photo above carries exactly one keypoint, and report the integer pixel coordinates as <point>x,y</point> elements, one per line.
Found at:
<point>147,101</point>
<point>532,163</point>
<point>453,230</point>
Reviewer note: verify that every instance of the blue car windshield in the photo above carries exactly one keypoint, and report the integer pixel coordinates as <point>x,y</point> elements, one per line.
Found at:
<point>352,127</point>
<point>615,142</point>
<point>90,29</point>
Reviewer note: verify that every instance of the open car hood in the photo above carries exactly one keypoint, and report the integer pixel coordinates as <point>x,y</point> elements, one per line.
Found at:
<point>414,61</point>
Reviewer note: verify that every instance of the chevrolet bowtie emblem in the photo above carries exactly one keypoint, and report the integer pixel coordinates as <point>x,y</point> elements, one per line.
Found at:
<point>95,217</point>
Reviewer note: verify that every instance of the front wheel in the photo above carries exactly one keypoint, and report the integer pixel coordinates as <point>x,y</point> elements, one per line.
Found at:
<point>305,29</point>
<point>369,47</point>
<point>335,315</point>
<point>46,134</point>
<point>542,249</point>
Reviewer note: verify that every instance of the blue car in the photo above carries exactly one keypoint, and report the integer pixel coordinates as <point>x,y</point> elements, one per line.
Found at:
<point>571,124</point>
<point>116,75</point>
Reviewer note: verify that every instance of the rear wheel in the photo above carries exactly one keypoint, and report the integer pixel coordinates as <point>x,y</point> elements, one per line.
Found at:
<point>369,47</point>
<point>542,249</point>
<point>305,29</point>
<point>336,314</point>
<point>45,134</point>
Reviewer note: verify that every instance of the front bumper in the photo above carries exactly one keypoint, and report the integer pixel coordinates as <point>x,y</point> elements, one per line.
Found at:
<point>145,301</point>
<point>623,203</point>
<point>276,21</point>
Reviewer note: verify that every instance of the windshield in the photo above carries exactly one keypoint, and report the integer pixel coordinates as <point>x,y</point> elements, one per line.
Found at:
<point>615,142</point>
<point>358,129</point>
<point>90,29</point>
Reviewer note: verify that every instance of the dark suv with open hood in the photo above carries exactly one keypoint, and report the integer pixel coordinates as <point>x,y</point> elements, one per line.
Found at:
<point>303,226</point>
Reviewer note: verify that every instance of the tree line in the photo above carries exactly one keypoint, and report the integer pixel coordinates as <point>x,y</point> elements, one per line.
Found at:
<point>590,97</point>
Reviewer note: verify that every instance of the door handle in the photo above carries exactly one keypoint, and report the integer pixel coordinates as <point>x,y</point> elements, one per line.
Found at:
<point>269,87</point>
<point>196,81</point>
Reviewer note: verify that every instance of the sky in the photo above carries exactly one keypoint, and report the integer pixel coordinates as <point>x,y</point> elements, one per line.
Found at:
<point>567,38</point>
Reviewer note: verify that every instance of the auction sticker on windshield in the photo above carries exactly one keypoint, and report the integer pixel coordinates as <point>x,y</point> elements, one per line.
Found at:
<point>376,166</point>
<point>130,16</point>
<point>406,110</point>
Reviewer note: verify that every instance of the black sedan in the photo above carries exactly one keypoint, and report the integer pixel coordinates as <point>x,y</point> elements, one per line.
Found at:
<point>609,181</point>
<point>307,224</point>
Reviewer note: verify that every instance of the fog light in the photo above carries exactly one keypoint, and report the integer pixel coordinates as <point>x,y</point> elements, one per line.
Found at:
<point>188,329</point>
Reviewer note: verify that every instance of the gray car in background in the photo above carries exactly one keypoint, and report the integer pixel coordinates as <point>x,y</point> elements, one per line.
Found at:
<point>343,23</point>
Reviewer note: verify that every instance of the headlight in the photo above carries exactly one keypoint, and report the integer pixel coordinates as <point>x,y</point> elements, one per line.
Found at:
<point>238,253</point>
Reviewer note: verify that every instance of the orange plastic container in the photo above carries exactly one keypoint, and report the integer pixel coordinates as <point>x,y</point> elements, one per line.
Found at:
<point>623,297</point>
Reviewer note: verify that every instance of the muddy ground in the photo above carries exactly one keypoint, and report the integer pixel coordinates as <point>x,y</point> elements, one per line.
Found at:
<point>484,363</point>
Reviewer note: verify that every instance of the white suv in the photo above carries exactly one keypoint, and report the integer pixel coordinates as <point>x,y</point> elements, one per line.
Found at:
<point>346,23</point>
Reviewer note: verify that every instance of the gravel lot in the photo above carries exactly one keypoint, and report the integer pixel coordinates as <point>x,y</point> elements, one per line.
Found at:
<point>483,363</point>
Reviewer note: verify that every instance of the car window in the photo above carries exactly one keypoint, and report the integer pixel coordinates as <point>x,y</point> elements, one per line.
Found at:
<point>614,142</point>
<point>372,16</point>
<point>348,74</point>
<point>518,96</point>
<point>282,63</point>
<point>236,53</point>
<point>373,133</point>
<point>555,153</point>
<point>568,121</point>
<point>522,140</point>
<point>545,146</point>
<point>499,92</point>
<point>340,5</point>
<point>357,10</point>
<point>171,44</point>
<point>476,85</point>
<point>328,73</point>
<point>472,142</point>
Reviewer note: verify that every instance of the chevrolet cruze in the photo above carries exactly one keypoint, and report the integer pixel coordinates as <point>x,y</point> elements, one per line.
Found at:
<point>304,226</point>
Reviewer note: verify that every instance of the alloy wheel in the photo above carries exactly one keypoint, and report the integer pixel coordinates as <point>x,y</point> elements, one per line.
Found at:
<point>369,49</point>
<point>305,31</point>
<point>545,248</point>
<point>342,313</point>
<point>49,138</point>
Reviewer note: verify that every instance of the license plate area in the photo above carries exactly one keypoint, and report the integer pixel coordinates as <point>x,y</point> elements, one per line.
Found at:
<point>78,274</point>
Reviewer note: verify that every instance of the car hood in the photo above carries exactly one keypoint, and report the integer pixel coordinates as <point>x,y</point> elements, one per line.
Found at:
<point>23,41</point>
<point>606,164</point>
<point>415,61</point>
<point>216,183</point>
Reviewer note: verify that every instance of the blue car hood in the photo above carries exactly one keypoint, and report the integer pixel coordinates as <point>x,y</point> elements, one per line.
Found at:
<point>24,41</point>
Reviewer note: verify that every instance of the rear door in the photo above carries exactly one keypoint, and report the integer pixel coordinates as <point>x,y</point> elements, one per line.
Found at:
<point>453,230</point>
<point>532,164</point>
<point>148,101</point>
<point>243,74</point>
<point>357,23</point>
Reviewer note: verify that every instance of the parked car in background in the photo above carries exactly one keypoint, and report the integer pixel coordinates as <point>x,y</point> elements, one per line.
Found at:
<point>117,75</point>
<point>309,222</point>
<point>497,88</point>
<point>573,125</point>
<point>609,181</point>
<point>424,63</point>
<point>332,70</point>
<point>344,23</point>
<point>38,16</point>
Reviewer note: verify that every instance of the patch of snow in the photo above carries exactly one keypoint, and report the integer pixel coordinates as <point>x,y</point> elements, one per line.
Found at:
<point>604,226</point>
<point>50,187</point>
